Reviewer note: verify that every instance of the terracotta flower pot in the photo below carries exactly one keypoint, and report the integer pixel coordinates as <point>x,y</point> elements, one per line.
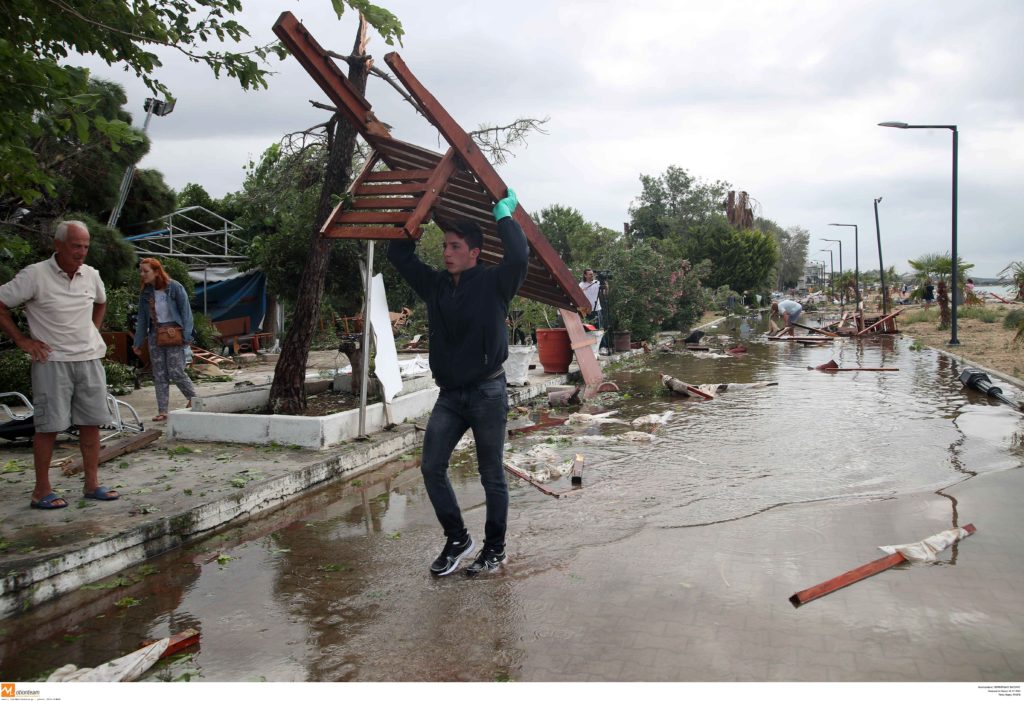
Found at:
<point>620,341</point>
<point>554,350</point>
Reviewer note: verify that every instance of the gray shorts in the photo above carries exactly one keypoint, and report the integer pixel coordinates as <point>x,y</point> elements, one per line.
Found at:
<point>65,393</point>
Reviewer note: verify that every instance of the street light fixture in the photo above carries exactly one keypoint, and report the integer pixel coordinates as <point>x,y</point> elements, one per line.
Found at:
<point>881,266</point>
<point>953,340</point>
<point>856,262</point>
<point>152,106</point>
<point>832,275</point>
<point>842,292</point>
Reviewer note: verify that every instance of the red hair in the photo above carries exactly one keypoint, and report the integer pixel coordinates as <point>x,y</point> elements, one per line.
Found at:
<point>161,278</point>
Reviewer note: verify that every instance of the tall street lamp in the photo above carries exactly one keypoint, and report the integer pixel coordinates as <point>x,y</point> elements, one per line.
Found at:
<point>881,266</point>
<point>953,340</point>
<point>152,106</point>
<point>856,262</point>
<point>842,292</point>
<point>832,275</point>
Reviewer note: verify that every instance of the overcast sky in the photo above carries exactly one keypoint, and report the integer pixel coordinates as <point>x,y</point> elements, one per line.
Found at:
<point>780,99</point>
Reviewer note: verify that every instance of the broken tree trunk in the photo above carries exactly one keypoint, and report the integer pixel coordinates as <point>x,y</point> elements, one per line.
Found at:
<point>288,393</point>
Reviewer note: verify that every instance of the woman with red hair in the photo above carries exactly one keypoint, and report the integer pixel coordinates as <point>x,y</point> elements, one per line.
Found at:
<point>164,303</point>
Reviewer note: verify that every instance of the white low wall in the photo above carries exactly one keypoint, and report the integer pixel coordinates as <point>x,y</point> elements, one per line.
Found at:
<point>306,431</point>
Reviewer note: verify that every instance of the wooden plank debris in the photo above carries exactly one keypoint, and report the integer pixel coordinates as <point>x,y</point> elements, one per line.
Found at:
<point>116,449</point>
<point>853,576</point>
<point>577,470</point>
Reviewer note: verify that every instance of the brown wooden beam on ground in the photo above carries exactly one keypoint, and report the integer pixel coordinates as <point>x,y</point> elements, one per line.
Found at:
<point>526,478</point>
<point>543,421</point>
<point>853,576</point>
<point>116,449</point>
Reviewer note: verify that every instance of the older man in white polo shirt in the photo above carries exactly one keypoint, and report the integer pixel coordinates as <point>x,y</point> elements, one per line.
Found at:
<point>64,302</point>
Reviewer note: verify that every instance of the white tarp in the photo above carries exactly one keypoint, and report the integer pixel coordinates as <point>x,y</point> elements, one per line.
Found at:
<point>926,550</point>
<point>386,357</point>
<point>123,669</point>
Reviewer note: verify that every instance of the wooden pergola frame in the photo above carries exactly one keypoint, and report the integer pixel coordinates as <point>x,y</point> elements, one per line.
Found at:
<point>403,185</point>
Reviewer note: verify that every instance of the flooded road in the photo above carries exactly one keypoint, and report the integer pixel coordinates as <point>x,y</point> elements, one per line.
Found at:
<point>335,587</point>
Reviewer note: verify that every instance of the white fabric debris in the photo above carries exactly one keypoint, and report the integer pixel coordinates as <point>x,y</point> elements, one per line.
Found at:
<point>927,549</point>
<point>541,462</point>
<point>628,436</point>
<point>581,418</point>
<point>657,419</point>
<point>123,669</point>
<point>385,356</point>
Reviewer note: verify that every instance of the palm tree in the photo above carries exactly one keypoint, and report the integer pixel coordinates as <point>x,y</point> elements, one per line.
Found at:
<point>940,267</point>
<point>1015,279</point>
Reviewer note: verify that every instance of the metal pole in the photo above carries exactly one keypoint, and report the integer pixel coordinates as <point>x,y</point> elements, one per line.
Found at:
<point>856,265</point>
<point>206,288</point>
<point>366,339</point>
<point>954,341</point>
<point>881,266</point>
<point>129,173</point>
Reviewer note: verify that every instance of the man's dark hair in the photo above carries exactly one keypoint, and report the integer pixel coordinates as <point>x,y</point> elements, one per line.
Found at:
<point>468,231</point>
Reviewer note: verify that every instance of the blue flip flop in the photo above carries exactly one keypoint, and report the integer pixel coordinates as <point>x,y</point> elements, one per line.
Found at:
<point>47,502</point>
<point>102,494</point>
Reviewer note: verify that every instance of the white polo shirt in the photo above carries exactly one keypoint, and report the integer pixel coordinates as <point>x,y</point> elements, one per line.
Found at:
<point>59,309</point>
<point>591,290</point>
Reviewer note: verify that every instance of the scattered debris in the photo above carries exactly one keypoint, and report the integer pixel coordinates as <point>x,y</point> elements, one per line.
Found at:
<point>680,387</point>
<point>833,366</point>
<point>584,418</point>
<point>979,381</point>
<point>115,449</point>
<point>656,419</point>
<point>577,470</point>
<point>923,550</point>
<point>565,397</point>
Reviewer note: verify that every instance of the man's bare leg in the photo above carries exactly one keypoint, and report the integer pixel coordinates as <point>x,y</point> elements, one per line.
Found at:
<point>89,443</point>
<point>42,454</point>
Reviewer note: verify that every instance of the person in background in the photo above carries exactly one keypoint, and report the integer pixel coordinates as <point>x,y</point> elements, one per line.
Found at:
<point>164,302</point>
<point>467,305</point>
<point>928,296</point>
<point>591,288</point>
<point>64,303</point>
<point>790,311</point>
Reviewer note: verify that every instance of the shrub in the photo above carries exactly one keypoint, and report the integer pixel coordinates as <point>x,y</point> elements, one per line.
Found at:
<point>1013,319</point>
<point>983,314</point>
<point>122,303</point>
<point>16,372</point>
<point>120,377</point>
<point>205,333</point>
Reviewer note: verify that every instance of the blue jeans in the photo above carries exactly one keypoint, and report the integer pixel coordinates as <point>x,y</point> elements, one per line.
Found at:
<point>481,407</point>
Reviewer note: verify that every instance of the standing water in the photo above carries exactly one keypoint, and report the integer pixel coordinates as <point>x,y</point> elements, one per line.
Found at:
<point>334,587</point>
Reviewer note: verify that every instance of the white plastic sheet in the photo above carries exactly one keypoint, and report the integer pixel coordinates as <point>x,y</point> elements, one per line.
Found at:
<point>123,669</point>
<point>927,549</point>
<point>386,357</point>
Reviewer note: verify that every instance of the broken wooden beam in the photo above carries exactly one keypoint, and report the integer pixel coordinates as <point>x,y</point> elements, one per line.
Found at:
<point>116,449</point>
<point>833,366</point>
<point>526,478</point>
<point>178,642</point>
<point>853,576</point>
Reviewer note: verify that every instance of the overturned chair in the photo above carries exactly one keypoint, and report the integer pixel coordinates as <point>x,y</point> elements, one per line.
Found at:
<point>20,424</point>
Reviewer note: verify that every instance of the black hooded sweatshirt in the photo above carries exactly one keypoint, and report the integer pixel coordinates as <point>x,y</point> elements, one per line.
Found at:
<point>468,336</point>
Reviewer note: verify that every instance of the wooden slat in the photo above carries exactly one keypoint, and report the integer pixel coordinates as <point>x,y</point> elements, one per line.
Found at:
<point>370,217</point>
<point>377,233</point>
<point>359,203</point>
<point>340,208</point>
<point>389,189</point>
<point>434,187</point>
<point>109,451</point>
<point>403,176</point>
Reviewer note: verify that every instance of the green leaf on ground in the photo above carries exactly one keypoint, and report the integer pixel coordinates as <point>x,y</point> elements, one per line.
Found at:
<point>127,602</point>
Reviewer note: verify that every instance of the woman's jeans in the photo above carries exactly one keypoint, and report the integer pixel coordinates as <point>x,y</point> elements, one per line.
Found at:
<point>481,407</point>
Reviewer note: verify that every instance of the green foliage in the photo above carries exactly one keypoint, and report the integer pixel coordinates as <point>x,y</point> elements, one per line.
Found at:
<point>179,272</point>
<point>205,333</point>
<point>673,204</point>
<point>16,372</point>
<point>1013,319</point>
<point>648,289</point>
<point>148,199</point>
<point>120,378</point>
<point>108,251</point>
<point>791,244</point>
<point>15,254</point>
<point>526,315</point>
<point>1012,277</point>
<point>35,78</point>
<point>122,303</point>
<point>743,260</point>
<point>723,298</point>
<point>577,241</point>
<point>986,315</point>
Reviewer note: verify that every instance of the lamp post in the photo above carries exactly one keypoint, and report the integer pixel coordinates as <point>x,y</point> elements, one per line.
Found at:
<point>953,340</point>
<point>152,106</point>
<point>881,267</point>
<point>832,275</point>
<point>856,262</point>
<point>842,293</point>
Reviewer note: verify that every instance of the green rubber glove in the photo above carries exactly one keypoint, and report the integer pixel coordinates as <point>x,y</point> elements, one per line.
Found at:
<point>505,207</point>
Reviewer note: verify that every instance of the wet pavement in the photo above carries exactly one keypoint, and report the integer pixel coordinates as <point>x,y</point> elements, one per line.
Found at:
<point>674,562</point>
